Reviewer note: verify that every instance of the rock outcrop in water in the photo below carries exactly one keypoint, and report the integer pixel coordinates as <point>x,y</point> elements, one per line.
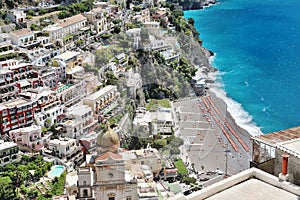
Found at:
<point>195,4</point>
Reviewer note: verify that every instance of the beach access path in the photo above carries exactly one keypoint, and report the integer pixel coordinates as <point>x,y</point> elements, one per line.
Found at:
<point>212,140</point>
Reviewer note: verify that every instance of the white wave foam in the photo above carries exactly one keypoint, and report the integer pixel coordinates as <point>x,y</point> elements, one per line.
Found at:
<point>212,58</point>
<point>241,117</point>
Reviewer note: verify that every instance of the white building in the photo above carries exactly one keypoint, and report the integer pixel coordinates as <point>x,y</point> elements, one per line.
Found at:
<point>16,16</point>
<point>135,34</point>
<point>97,18</point>
<point>65,148</point>
<point>49,114</point>
<point>22,37</point>
<point>101,99</point>
<point>9,153</point>
<point>79,122</point>
<point>71,94</point>
<point>66,27</point>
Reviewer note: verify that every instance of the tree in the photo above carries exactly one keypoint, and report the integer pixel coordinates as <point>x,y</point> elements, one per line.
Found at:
<point>189,180</point>
<point>137,8</point>
<point>10,3</point>
<point>134,143</point>
<point>64,14</point>
<point>160,143</point>
<point>105,36</point>
<point>7,191</point>
<point>32,194</point>
<point>31,12</point>
<point>117,29</point>
<point>34,27</point>
<point>191,21</point>
<point>42,11</point>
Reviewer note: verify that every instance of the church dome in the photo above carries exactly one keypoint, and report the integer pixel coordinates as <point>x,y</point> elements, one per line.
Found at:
<point>108,140</point>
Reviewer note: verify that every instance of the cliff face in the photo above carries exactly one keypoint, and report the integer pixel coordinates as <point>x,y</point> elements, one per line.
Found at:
<point>195,52</point>
<point>195,4</point>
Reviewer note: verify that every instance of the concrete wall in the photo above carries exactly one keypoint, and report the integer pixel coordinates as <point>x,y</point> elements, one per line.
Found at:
<point>293,167</point>
<point>267,166</point>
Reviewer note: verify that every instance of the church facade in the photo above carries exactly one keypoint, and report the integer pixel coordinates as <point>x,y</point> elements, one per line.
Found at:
<point>104,177</point>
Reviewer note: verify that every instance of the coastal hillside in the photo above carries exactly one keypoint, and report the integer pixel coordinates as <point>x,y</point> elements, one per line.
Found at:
<point>193,4</point>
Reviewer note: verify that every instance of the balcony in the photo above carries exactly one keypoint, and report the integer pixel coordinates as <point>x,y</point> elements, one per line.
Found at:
<point>14,120</point>
<point>15,126</point>
<point>28,116</point>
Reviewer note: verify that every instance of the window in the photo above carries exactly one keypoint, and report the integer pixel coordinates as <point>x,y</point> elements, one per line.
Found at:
<point>84,182</point>
<point>85,192</point>
<point>111,196</point>
<point>128,198</point>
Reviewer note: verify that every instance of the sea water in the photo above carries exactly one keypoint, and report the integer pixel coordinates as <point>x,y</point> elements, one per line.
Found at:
<point>257,46</point>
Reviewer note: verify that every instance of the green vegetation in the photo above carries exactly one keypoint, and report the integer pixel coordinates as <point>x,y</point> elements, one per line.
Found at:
<point>57,187</point>
<point>181,167</point>
<point>154,104</point>
<point>168,145</point>
<point>34,27</point>
<point>137,8</point>
<point>89,68</point>
<point>189,180</point>
<point>8,56</point>
<point>110,79</point>
<point>74,9</point>
<point>19,179</point>
<point>104,55</point>
<point>184,68</point>
<point>115,119</point>
<point>117,29</point>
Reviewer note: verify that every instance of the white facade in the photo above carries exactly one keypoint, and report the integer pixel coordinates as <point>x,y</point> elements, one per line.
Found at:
<point>9,153</point>
<point>16,16</point>
<point>22,37</point>
<point>64,148</point>
<point>82,120</point>
<point>49,114</point>
<point>98,19</point>
<point>70,95</point>
<point>82,113</point>
<point>102,98</point>
<point>66,27</point>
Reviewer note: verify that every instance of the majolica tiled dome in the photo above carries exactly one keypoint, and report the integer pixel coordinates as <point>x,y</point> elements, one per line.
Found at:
<point>108,140</point>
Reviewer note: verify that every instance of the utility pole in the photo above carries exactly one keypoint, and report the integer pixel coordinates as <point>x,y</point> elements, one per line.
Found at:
<point>226,161</point>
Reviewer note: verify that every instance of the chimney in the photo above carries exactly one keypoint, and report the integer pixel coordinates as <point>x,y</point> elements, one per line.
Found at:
<point>284,164</point>
<point>284,167</point>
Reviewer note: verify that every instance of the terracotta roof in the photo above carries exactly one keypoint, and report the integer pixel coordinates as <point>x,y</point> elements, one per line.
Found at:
<point>106,155</point>
<point>72,20</point>
<point>279,136</point>
<point>22,32</point>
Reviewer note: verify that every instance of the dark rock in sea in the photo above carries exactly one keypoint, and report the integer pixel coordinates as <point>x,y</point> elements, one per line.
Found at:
<point>211,53</point>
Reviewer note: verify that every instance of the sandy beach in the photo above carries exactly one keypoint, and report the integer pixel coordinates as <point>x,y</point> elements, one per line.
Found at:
<point>212,139</point>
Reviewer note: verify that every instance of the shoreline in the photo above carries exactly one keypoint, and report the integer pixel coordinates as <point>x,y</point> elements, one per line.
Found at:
<point>198,5</point>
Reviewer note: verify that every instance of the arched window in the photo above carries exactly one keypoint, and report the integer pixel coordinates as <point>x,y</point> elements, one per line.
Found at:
<point>111,196</point>
<point>84,182</point>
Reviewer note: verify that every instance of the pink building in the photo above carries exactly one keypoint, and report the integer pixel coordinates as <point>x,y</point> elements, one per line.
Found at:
<point>31,137</point>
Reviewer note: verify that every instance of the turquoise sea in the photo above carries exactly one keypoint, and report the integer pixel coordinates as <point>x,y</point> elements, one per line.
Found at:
<point>257,46</point>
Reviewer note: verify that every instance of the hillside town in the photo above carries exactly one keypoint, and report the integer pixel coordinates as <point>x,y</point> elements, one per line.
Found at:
<point>111,100</point>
